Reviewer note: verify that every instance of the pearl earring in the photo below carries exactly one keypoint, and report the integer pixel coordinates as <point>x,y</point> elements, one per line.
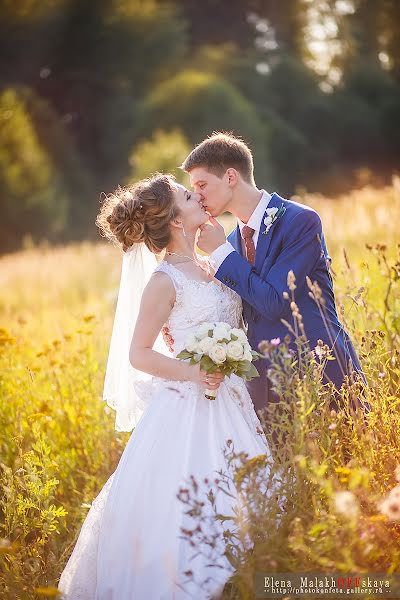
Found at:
<point>184,232</point>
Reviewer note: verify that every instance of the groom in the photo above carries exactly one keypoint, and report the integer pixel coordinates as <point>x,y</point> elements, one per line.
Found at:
<point>273,237</point>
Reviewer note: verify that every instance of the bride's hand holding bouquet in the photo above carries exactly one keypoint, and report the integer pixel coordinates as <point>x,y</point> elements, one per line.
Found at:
<point>219,348</point>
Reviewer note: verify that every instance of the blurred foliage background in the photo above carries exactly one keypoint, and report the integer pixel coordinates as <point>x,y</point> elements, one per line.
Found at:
<point>96,93</point>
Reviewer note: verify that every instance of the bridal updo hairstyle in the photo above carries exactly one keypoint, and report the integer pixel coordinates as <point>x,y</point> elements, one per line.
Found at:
<point>140,213</point>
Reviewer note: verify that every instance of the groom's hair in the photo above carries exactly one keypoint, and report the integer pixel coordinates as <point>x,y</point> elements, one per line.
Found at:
<point>219,152</point>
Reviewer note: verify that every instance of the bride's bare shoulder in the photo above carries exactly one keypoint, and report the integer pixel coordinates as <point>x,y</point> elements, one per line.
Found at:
<point>160,288</point>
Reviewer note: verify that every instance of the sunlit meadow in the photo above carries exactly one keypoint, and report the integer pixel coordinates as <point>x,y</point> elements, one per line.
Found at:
<point>58,445</point>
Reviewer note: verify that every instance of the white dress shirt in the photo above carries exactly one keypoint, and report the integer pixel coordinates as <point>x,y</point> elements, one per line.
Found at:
<point>219,255</point>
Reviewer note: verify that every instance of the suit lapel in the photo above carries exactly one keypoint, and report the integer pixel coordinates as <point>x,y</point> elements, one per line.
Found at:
<point>236,240</point>
<point>264,240</point>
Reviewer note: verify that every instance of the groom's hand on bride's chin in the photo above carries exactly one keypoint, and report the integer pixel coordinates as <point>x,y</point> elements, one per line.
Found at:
<point>211,236</point>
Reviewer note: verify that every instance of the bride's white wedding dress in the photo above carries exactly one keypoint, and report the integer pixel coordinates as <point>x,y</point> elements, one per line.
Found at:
<point>130,545</point>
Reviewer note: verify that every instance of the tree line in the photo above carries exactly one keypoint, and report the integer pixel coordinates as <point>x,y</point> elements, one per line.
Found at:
<point>95,93</point>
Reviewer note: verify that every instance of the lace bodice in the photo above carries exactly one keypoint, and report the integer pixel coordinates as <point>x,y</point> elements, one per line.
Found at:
<point>197,302</point>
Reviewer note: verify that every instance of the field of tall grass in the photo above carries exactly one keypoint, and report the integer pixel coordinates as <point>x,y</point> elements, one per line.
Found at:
<point>340,477</point>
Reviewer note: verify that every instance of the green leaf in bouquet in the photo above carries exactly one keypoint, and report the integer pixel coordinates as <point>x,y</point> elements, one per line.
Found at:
<point>206,363</point>
<point>197,357</point>
<point>245,365</point>
<point>184,355</point>
<point>253,371</point>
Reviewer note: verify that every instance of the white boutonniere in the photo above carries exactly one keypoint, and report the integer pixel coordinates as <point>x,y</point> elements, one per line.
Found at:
<point>273,214</point>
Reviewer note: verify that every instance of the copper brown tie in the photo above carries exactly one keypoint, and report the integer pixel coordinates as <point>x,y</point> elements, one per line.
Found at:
<point>247,235</point>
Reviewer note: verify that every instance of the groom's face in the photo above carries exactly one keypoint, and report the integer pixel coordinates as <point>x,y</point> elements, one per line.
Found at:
<point>215,192</point>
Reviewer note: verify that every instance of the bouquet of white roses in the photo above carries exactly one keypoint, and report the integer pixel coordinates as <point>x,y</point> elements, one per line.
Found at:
<point>220,347</point>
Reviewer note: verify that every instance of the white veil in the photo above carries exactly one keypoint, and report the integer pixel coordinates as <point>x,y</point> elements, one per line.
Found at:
<point>119,385</point>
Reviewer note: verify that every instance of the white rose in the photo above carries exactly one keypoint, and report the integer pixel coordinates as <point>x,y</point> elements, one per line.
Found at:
<point>223,325</point>
<point>239,333</point>
<point>203,329</point>
<point>234,350</point>
<point>205,345</point>
<point>247,355</point>
<point>271,212</point>
<point>268,221</point>
<point>221,331</point>
<point>191,343</point>
<point>218,353</point>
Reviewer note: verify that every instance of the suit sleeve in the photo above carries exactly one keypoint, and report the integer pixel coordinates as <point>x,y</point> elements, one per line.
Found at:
<point>300,253</point>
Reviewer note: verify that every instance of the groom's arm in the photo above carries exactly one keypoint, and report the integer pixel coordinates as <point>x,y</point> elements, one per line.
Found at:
<point>300,253</point>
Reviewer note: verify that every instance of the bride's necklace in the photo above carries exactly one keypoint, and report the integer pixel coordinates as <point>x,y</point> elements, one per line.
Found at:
<point>181,256</point>
<point>190,258</point>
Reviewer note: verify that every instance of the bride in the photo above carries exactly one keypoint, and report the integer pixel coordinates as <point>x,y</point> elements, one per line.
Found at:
<point>130,545</point>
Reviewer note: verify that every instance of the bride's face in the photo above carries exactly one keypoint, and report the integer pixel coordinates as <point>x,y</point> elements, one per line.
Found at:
<point>191,209</point>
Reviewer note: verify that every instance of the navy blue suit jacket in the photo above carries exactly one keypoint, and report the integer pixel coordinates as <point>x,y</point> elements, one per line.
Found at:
<point>294,242</point>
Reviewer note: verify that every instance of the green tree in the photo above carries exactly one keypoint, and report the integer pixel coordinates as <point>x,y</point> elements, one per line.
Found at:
<point>60,147</point>
<point>32,194</point>
<point>163,152</point>
<point>93,60</point>
<point>390,34</point>
<point>288,21</point>
<point>199,103</point>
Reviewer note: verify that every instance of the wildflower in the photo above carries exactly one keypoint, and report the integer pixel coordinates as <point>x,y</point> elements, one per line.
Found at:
<point>48,592</point>
<point>276,341</point>
<point>346,504</point>
<point>6,337</point>
<point>343,470</point>
<point>390,506</point>
<point>322,350</point>
<point>264,347</point>
<point>5,546</point>
<point>316,292</point>
<point>301,460</point>
<point>291,280</point>
<point>376,518</point>
<point>318,351</point>
<point>395,492</point>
